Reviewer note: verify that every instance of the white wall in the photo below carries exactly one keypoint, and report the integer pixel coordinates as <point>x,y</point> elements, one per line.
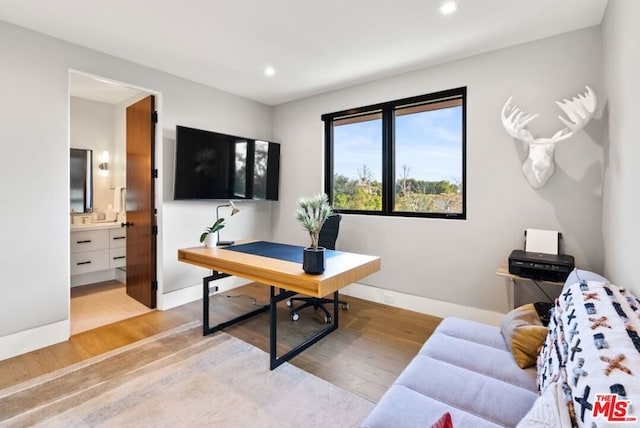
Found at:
<point>451,261</point>
<point>621,38</point>
<point>34,170</point>
<point>91,127</point>
<point>455,261</point>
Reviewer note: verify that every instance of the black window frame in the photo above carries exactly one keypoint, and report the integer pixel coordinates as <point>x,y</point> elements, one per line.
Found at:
<point>388,151</point>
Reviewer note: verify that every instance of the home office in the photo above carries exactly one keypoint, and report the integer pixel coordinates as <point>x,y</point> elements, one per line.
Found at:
<point>589,198</point>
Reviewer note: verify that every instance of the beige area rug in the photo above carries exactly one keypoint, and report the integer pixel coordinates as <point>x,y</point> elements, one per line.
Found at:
<point>180,378</point>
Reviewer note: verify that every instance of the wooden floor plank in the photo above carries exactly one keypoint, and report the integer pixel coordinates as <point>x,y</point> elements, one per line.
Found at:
<point>372,346</point>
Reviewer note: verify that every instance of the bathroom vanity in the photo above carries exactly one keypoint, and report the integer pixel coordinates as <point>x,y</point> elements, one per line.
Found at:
<point>98,253</point>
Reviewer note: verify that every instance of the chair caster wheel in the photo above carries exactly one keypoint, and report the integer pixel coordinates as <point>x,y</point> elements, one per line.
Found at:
<point>295,316</point>
<point>345,306</point>
<point>327,319</point>
<point>289,303</point>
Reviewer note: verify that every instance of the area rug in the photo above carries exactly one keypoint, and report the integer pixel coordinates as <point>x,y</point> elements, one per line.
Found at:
<point>176,379</point>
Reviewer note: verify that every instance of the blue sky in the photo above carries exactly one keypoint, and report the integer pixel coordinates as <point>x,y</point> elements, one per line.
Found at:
<point>429,143</point>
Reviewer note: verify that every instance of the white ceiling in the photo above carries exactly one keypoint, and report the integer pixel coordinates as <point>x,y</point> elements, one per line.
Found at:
<point>315,46</point>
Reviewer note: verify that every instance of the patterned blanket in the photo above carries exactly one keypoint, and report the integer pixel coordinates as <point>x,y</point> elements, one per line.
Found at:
<point>593,351</point>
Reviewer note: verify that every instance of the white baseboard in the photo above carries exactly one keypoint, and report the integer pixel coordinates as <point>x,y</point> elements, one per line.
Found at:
<point>421,304</point>
<point>35,338</point>
<point>194,292</point>
<point>30,340</point>
<point>379,295</point>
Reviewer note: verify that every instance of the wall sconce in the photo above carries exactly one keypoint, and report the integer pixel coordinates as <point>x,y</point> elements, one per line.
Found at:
<point>234,211</point>
<point>104,163</point>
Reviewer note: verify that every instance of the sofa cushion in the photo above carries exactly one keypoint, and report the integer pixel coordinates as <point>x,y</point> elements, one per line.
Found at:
<point>402,407</point>
<point>494,400</point>
<point>472,331</point>
<point>523,334</point>
<point>490,361</point>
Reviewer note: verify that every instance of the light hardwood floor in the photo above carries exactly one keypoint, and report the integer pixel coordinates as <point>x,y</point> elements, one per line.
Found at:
<point>100,304</point>
<point>371,347</point>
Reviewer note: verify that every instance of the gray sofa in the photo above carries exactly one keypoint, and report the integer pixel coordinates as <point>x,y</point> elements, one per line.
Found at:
<point>465,368</point>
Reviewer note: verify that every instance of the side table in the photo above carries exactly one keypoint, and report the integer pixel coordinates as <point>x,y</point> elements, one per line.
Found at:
<point>524,290</point>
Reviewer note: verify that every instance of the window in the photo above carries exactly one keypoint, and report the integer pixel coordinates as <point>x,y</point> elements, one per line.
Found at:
<point>404,157</point>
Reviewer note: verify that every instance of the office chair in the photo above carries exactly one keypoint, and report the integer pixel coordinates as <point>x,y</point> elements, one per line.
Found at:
<point>327,239</point>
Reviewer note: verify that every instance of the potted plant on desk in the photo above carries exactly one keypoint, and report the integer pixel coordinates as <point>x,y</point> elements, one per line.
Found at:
<point>312,212</point>
<point>209,234</point>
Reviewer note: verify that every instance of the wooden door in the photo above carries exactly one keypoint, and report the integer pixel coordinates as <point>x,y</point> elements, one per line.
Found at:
<point>140,202</point>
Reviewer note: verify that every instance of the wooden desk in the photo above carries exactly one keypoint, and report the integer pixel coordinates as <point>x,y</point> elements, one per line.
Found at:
<point>503,271</point>
<point>342,269</point>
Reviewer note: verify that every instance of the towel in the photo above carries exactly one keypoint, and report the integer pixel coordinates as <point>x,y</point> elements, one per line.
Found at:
<point>119,199</point>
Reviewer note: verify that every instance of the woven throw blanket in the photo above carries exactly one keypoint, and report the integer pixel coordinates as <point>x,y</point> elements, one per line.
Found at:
<point>593,352</point>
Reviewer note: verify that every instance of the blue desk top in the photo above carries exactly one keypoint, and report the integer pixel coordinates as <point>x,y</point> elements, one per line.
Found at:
<point>274,250</point>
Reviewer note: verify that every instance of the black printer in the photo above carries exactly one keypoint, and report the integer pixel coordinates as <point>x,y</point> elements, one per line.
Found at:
<point>541,266</point>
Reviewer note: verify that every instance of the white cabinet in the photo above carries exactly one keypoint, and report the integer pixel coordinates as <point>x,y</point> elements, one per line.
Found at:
<point>97,249</point>
<point>117,247</point>
<point>89,261</point>
<point>118,238</point>
<point>89,240</point>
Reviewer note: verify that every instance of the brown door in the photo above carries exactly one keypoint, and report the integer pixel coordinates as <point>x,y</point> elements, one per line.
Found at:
<point>140,206</point>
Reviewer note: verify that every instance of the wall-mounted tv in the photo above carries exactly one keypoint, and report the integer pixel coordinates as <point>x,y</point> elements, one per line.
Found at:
<point>211,165</point>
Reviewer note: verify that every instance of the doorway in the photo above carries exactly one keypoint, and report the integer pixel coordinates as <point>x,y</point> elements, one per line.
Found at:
<point>102,303</point>
<point>100,288</point>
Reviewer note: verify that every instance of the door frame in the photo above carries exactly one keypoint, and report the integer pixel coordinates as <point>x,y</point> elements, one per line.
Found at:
<point>158,162</point>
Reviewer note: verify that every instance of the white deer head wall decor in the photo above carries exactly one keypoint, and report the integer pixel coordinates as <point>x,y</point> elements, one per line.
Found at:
<point>539,166</point>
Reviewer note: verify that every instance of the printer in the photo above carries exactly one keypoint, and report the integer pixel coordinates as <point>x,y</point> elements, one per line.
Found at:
<point>541,266</point>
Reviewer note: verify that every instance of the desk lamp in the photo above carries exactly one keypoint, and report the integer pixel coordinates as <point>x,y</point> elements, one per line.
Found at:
<point>234,211</point>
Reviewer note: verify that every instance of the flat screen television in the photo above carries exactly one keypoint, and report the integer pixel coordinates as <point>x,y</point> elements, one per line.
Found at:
<point>211,165</point>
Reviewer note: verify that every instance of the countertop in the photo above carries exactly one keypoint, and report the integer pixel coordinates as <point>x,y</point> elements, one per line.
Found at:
<point>96,226</point>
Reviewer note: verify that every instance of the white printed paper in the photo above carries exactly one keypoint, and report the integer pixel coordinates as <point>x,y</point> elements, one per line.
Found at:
<point>541,241</point>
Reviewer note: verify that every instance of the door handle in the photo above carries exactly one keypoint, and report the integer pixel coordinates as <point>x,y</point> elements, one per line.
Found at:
<point>127,224</point>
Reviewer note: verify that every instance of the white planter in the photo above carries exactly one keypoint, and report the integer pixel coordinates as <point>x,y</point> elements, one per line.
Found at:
<point>211,240</point>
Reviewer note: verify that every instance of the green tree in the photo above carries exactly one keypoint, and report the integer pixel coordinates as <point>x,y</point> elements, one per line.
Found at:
<point>412,195</point>
<point>365,175</point>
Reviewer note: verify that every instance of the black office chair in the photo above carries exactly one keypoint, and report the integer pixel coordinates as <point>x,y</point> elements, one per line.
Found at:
<point>327,239</point>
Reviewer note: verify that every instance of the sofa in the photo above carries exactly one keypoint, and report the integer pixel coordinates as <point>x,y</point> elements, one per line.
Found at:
<point>479,375</point>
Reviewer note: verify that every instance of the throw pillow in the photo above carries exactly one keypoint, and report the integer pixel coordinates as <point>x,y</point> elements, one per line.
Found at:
<point>523,334</point>
<point>443,421</point>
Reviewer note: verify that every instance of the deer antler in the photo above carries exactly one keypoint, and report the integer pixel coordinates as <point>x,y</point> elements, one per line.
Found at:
<point>579,110</point>
<point>515,120</point>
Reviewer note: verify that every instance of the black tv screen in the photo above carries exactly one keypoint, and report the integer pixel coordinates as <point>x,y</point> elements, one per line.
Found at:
<point>211,165</point>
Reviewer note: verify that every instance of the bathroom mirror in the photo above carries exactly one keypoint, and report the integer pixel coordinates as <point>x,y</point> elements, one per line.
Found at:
<point>81,180</point>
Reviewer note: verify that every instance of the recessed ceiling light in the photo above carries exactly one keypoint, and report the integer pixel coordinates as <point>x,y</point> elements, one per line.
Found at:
<point>448,7</point>
<point>269,71</point>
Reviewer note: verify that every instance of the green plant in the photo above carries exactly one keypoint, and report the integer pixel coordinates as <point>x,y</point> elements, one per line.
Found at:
<point>219,224</point>
<point>312,212</point>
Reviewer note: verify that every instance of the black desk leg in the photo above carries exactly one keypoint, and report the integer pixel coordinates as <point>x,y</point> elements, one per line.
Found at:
<point>273,329</point>
<point>206,329</point>
<point>273,320</point>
